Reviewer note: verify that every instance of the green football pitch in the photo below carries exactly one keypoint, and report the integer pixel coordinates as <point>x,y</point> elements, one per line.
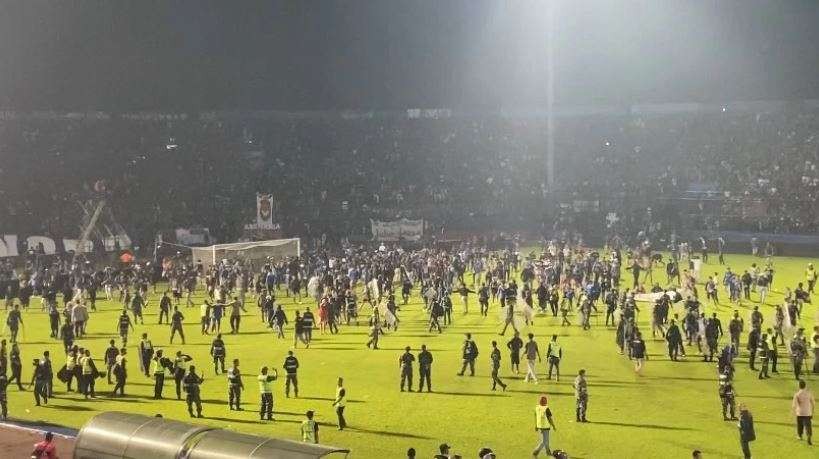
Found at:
<point>669,410</point>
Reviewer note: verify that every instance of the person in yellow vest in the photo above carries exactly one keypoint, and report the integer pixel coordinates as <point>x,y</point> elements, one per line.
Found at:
<point>340,402</point>
<point>70,364</point>
<point>158,369</point>
<point>266,393</point>
<point>309,429</point>
<point>543,424</point>
<point>89,374</point>
<point>811,276</point>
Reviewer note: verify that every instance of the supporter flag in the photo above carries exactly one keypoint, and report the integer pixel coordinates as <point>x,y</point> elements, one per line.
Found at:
<point>264,211</point>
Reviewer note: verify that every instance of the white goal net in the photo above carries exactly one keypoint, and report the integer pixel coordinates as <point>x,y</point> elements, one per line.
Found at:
<point>258,251</point>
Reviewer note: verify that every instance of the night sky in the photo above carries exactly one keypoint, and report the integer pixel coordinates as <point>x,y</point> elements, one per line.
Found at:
<point>293,55</point>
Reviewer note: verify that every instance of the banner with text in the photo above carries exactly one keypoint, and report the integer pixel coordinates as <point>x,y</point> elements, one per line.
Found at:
<point>11,245</point>
<point>409,230</point>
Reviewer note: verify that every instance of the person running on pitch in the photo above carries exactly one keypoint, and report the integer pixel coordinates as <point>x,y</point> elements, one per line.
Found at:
<point>176,324</point>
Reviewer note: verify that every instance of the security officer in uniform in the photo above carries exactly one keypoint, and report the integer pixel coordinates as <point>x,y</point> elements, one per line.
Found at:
<point>159,369</point>
<point>309,429</point>
<point>235,386</point>
<point>266,392</point>
<point>727,396</point>
<point>470,354</point>
<point>146,354</point>
<point>291,366</point>
<point>764,354</point>
<point>581,395</point>
<point>180,369</point>
<point>405,364</point>
<point>217,351</point>
<point>425,368</point>
<point>753,345</point>
<point>192,382</point>
<point>772,351</point>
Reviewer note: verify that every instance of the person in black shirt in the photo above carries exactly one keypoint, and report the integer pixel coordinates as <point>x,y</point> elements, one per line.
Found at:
<point>14,320</point>
<point>307,321</point>
<point>674,340</point>
<point>164,307</point>
<point>16,364</point>
<point>4,409</point>
<point>38,380</point>
<point>217,351</point>
<point>120,373</point>
<point>111,358</point>
<point>470,354</point>
<point>235,386</point>
<point>483,299</point>
<point>291,366</point>
<point>123,325</point>
<point>192,382</point>
<point>176,324</point>
<point>514,345</point>
<point>425,368</point>
<point>405,364</point>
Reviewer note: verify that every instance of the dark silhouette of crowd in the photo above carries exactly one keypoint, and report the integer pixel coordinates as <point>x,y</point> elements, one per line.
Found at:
<point>330,173</point>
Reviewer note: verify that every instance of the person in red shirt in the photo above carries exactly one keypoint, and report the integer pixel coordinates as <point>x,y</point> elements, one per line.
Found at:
<point>45,449</point>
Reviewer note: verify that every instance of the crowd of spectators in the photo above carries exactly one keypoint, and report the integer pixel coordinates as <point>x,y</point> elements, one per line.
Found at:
<point>329,175</point>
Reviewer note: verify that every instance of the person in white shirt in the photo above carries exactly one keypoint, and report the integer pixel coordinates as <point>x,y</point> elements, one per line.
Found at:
<point>803,405</point>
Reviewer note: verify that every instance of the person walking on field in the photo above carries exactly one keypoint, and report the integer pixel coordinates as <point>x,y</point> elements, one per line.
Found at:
<point>746,430</point>
<point>543,425</point>
<point>495,359</point>
<point>803,406</point>
<point>470,354</point>
<point>532,352</point>
<point>581,393</point>
<point>340,402</point>
<point>554,354</point>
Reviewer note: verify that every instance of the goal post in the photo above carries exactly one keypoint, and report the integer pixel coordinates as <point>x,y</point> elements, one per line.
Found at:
<point>257,251</point>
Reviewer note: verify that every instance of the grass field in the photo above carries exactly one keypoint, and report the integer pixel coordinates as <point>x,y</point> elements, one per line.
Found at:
<point>666,412</point>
